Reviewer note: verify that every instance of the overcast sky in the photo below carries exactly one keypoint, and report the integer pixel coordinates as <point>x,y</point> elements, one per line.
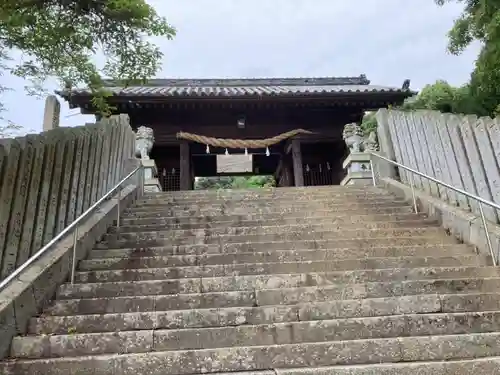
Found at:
<point>388,40</point>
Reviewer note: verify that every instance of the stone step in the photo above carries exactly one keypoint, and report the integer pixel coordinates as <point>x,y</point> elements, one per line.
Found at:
<point>206,320</point>
<point>269,228</point>
<point>246,197</point>
<point>329,201</point>
<point>182,291</point>
<point>140,312</point>
<point>359,215</point>
<point>262,193</point>
<point>134,313</point>
<point>130,259</point>
<point>305,211</point>
<point>274,268</point>
<point>288,202</point>
<point>293,280</point>
<point>273,233</point>
<point>230,199</point>
<point>382,207</point>
<point>123,259</point>
<point>266,192</point>
<point>356,244</point>
<point>167,237</point>
<point>489,365</point>
<point>246,220</point>
<point>374,290</point>
<point>143,341</point>
<point>200,222</point>
<point>249,358</point>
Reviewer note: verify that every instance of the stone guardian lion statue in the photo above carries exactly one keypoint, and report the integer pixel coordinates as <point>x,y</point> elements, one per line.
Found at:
<point>355,140</point>
<point>144,140</point>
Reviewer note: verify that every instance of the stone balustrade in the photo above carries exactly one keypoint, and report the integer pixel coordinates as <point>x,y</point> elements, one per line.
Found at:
<point>47,180</point>
<point>463,151</point>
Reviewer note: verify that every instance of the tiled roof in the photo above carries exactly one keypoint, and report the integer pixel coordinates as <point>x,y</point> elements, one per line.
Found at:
<point>247,87</point>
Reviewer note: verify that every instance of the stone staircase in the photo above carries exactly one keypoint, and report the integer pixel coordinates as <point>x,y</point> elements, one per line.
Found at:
<point>296,281</point>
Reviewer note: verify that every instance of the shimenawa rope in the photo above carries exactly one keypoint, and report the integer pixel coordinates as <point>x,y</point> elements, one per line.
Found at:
<point>240,143</point>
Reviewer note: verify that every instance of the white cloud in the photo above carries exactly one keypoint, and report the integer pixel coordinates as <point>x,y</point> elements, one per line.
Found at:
<point>389,40</point>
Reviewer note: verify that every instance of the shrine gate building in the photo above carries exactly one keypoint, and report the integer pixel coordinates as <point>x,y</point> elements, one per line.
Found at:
<point>248,109</point>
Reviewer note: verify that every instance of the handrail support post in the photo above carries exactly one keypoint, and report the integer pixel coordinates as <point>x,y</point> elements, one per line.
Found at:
<point>373,171</point>
<point>487,234</point>
<point>412,184</point>
<point>73,260</point>
<point>118,207</point>
<point>142,175</point>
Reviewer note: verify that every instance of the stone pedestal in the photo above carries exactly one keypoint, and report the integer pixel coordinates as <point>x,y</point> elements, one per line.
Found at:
<point>358,169</point>
<point>151,183</point>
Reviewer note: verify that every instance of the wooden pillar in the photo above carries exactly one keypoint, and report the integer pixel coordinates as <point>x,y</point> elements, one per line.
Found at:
<point>193,177</point>
<point>185,166</point>
<point>297,163</point>
<point>287,171</point>
<point>284,172</point>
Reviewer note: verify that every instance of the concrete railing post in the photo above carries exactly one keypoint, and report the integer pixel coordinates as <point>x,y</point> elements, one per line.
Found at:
<point>386,145</point>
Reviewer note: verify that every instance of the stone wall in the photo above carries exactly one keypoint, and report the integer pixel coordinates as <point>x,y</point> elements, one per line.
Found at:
<point>463,151</point>
<point>37,285</point>
<point>47,180</point>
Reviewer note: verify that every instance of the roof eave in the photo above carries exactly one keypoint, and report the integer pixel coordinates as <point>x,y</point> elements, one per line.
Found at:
<point>68,96</point>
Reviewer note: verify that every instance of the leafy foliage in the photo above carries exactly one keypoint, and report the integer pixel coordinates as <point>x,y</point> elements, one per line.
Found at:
<point>480,21</point>
<point>9,130</point>
<point>60,38</point>
<point>439,96</point>
<point>369,123</point>
<point>228,182</point>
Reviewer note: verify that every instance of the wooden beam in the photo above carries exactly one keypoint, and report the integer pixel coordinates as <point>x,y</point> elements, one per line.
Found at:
<point>185,166</point>
<point>298,173</point>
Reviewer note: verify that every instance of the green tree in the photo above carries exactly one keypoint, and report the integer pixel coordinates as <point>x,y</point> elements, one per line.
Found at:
<point>239,182</point>
<point>439,96</point>
<point>61,38</point>
<point>480,21</point>
<point>252,182</point>
<point>204,183</point>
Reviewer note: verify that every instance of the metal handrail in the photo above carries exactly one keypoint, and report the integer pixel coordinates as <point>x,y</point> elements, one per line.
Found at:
<point>448,186</point>
<point>74,226</point>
